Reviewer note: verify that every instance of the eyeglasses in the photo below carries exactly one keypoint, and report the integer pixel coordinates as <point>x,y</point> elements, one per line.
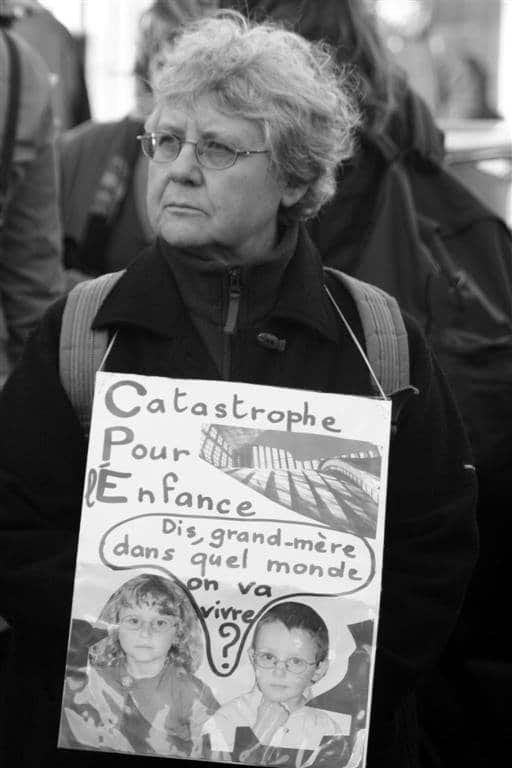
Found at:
<point>267,660</point>
<point>158,624</point>
<point>162,147</point>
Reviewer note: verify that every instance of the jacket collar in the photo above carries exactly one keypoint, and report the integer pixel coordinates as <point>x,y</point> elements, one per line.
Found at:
<point>147,295</point>
<point>204,283</point>
<point>302,298</point>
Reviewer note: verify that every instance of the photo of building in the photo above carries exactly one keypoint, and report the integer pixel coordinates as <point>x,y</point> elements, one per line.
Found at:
<point>333,480</point>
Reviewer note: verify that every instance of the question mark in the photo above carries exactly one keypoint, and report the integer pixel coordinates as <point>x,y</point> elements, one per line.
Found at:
<point>225,631</point>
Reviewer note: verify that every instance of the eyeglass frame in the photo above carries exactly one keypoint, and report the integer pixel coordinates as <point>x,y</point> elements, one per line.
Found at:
<point>254,654</point>
<point>236,152</point>
<point>143,623</point>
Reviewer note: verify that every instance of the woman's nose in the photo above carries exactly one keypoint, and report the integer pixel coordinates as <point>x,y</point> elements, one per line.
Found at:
<point>185,167</point>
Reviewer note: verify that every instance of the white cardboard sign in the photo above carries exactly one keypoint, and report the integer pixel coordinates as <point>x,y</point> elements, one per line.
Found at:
<point>228,573</point>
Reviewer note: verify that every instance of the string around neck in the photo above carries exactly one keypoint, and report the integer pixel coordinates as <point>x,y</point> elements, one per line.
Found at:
<point>356,342</point>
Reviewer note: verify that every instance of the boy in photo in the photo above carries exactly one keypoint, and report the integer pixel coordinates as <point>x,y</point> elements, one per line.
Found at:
<point>289,655</point>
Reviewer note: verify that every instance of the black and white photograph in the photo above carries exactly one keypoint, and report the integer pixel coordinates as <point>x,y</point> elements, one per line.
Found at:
<point>325,478</point>
<point>255,382</point>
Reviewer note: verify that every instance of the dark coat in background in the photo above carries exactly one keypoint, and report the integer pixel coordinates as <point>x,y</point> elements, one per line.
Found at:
<point>30,239</point>
<point>102,199</point>
<point>431,539</point>
<point>401,221</point>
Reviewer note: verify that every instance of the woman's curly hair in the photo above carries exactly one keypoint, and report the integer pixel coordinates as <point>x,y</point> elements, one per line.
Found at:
<point>170,599</point>
<point>303,100</point>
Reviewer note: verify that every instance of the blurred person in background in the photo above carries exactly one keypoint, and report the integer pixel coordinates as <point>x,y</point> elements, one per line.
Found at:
<point>61,54</point>
<point>464,88</point>
<point>30,255</point>
<point>30,237</point>
<point>103,173</point>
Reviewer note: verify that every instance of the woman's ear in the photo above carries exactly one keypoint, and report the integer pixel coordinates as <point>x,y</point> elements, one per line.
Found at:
<point>320,670</point>
<point>291,195</point>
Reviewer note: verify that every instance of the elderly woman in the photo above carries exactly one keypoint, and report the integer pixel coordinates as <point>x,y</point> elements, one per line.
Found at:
<point>250,125</point>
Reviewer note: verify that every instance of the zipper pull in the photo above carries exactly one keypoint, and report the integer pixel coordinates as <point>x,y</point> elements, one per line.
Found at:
<point>234,301</point>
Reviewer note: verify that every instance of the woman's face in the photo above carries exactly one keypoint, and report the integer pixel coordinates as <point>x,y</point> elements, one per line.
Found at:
<point>231,213</point>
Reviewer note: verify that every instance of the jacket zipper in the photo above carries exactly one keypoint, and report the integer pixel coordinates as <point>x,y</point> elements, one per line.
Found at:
<point>234,292</point>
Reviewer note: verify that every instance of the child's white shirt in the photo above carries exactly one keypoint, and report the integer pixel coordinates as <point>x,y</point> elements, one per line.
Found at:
<point>304,728</point>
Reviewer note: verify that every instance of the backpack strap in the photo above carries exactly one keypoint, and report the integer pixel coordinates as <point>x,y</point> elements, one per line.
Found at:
<point>11,119</point>
<point>82,349</point>
<point>387,346</point>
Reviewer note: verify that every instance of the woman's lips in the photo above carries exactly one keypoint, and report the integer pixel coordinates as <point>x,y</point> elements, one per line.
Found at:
<point>183,207</point>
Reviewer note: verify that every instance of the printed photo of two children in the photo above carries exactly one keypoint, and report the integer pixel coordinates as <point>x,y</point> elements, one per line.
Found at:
<point>137,681</point>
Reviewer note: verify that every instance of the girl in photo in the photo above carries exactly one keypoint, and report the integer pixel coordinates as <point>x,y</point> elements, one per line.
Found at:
<point>141,694</point>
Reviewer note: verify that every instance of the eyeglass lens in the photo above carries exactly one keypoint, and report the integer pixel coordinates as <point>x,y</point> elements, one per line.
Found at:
<point>294,664</point>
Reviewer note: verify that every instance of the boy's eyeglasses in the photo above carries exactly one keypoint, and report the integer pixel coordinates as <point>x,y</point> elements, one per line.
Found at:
<point>158,624</point>
<point>163,147</point>
<point>266,660</point>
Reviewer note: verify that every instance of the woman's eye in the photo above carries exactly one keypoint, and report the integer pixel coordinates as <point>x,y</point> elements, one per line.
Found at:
<point>216,145</point>
<point>167,140</point>
<point>132,621</point>
<point>216,148</point>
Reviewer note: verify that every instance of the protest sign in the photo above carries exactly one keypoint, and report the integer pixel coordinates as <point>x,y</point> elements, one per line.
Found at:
<point>228,573</point>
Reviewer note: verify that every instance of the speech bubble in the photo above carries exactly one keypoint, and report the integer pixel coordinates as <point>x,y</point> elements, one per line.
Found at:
<point>233,572</point>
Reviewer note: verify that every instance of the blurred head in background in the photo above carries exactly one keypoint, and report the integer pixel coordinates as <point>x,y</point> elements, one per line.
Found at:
<point>159,25</point>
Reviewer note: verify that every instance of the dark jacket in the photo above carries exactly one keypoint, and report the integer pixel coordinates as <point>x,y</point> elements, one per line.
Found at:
<point>430,544</point>
<point>401,221</point>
